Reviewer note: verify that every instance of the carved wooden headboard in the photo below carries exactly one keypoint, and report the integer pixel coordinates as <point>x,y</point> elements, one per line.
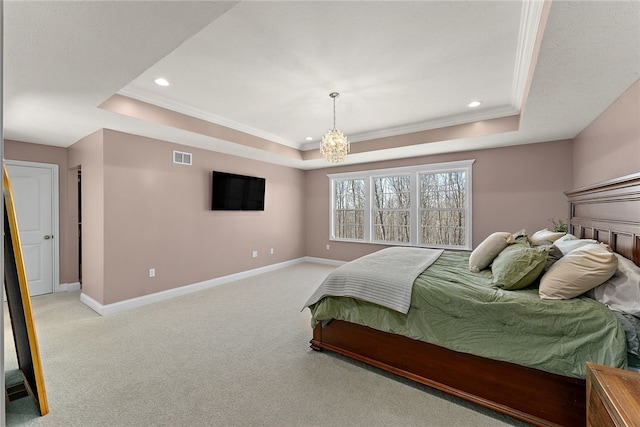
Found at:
<point>608,212</point>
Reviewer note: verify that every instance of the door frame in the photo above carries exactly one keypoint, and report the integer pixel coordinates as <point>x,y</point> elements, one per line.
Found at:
<point>55,209</point>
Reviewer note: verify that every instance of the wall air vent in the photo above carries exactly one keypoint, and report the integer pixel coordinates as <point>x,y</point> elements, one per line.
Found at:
<point>182,158</point>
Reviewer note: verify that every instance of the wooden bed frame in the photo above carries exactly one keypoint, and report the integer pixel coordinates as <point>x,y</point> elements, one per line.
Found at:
<point>608,212</point>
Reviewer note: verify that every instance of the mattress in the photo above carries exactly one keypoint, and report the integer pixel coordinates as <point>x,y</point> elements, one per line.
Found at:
<point>462,311</point>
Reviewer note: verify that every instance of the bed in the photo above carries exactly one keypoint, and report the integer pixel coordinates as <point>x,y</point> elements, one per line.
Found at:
<point>541,395</point>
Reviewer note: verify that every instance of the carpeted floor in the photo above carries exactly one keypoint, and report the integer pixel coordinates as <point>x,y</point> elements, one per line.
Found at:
<point>234,355</point>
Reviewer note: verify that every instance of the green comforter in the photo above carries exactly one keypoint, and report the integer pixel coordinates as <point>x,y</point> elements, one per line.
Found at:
<point>462,311</point>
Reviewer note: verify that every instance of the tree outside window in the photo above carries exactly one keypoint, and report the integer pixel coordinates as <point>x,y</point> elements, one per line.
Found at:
<point>391,209</point>
<point>442,208</point>
<point>349,205</point>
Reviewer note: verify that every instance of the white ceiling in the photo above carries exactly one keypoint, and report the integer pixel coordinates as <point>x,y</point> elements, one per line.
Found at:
<point>267,68</point>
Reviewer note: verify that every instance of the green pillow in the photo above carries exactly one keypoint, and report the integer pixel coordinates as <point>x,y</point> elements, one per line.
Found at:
<point>518,266</point>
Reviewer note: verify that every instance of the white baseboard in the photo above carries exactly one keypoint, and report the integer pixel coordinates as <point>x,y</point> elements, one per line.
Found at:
<point>62,287</point>
<point>91,303</point>
<point>68,287</point>
<point>119,306</point>
<point>327,261</point>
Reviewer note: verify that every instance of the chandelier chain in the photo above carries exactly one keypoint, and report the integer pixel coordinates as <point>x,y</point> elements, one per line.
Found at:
<point>334,113</point>
<point>334,95</point>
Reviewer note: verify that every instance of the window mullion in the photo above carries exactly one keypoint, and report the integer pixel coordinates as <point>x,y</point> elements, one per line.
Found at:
<point>332,207</point>
<point>368,209</point>
<point>414,214</point>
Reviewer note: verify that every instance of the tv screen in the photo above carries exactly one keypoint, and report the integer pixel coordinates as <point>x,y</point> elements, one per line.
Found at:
<point>231,192</point>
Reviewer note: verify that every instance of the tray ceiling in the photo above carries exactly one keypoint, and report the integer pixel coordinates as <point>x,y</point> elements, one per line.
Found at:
<point>253,78</point>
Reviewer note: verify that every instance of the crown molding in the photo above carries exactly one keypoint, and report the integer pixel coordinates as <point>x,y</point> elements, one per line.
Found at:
<point>443,122</point>
<point>529,23</point>
<point>179,107</point>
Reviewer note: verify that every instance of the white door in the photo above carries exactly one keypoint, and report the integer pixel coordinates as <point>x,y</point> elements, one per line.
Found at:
<point>33,194</point>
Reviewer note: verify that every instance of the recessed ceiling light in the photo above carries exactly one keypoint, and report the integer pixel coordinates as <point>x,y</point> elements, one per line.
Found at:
<point>161,82</point>
<point>309,138</point>
<point>474,104</point>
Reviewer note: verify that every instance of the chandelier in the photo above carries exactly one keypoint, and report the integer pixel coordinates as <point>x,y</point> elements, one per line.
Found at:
<point>335,145</point>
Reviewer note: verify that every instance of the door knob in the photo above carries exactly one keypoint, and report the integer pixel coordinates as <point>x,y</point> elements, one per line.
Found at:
<point>47,237</point>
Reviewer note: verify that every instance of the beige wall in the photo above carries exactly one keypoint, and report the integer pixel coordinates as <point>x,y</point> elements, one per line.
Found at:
<point>610,146</point>
<point>157,215</point>
<point>513,188</point>
<point>15,150</point>
<point>88,154</point>
<point>141,211</point>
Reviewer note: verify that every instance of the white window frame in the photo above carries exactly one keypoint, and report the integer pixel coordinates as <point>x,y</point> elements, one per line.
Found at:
<point>414,172</point>
<point>412,200</point>
<point>333,208</point>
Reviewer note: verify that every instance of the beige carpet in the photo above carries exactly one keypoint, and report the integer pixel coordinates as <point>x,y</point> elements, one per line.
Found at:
<point>234,355</point>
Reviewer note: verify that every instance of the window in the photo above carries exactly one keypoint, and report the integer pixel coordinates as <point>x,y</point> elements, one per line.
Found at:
<point>442,208</point>
<point>349,204</point>
<point>392,209</point>
<point>427,205</point>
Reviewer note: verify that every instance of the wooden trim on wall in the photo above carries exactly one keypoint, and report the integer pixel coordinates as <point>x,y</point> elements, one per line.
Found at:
<point>609,212</point>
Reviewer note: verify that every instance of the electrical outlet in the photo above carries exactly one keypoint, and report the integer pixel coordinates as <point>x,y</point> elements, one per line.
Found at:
<point>255,254</point>
<point>328,247</point>
<point>152,272</point>
<point>271,251</point>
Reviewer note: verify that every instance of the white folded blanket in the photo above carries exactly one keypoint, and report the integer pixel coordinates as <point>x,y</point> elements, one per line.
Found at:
<point>384,277</point>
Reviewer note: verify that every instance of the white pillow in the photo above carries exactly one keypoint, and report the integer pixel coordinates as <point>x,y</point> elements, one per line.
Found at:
<point>567,236</point>
<point>545,237</point>
<point>567,246</point>
<point>485,253</point>
<point>578,271</point>
<point>622,291</point>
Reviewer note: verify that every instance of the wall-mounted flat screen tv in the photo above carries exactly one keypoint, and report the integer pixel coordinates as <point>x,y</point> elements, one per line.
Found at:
<point>231,192</point>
